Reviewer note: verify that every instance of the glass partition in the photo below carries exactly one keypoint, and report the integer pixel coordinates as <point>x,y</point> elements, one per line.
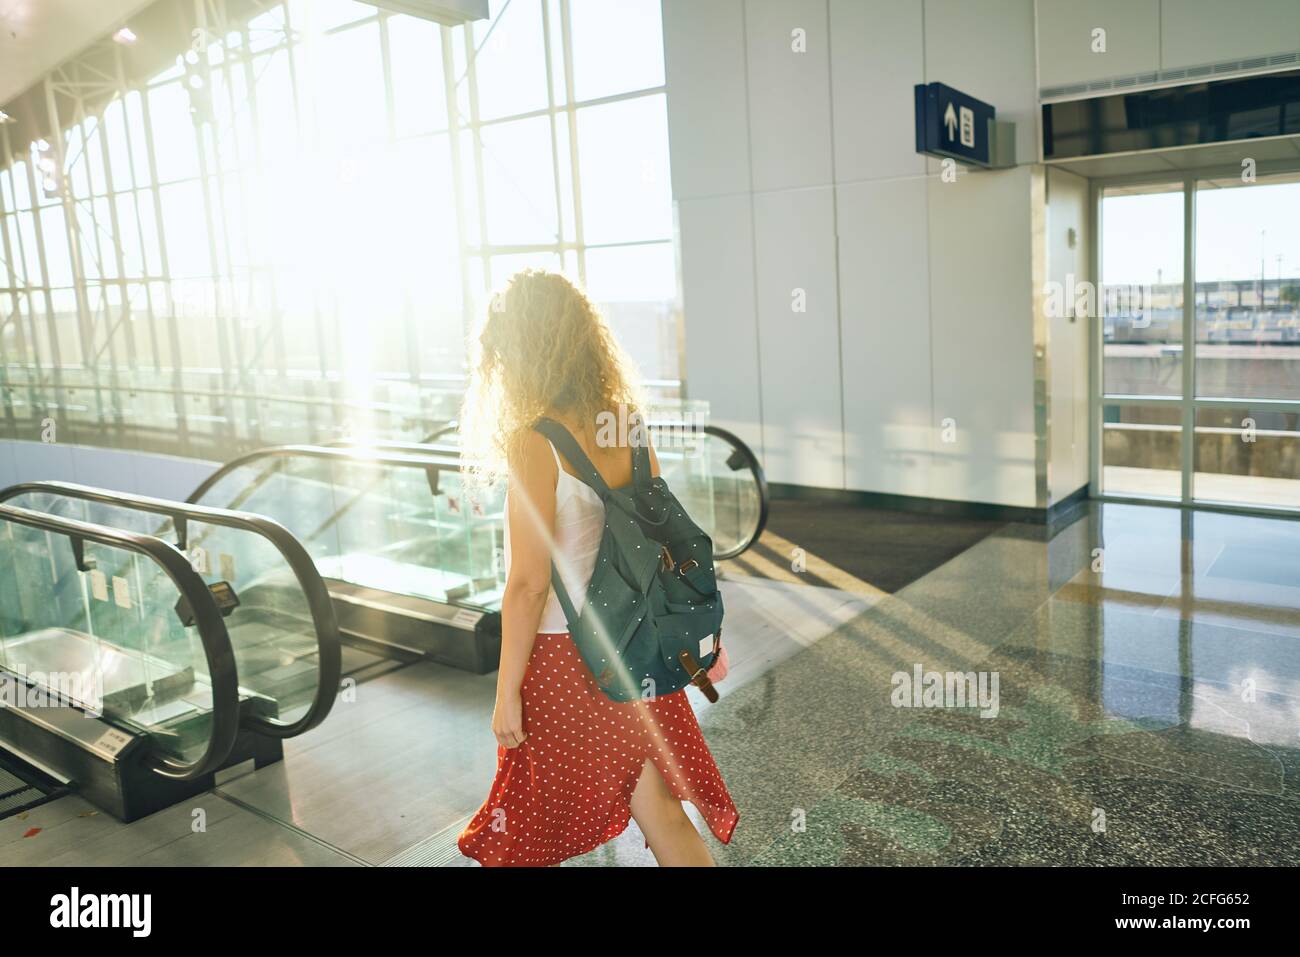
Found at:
<point>106,637</point>
<point>272,631</point>
<point>398,523</point>
<point>397,519</point>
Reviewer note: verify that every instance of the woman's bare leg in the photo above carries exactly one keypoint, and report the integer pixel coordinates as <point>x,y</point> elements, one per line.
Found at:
<point>672,837</point>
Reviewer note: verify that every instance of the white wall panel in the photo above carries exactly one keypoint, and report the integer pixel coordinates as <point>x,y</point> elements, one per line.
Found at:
<point>1210,31</point>
<point>876,58</point>
<point>717,269</point>
<point>1065,46</point>
<point>986,49</point>
<point>981,324</point>
<point>885,319</point>
<point>789,94</point>
<point>704,64</point>
<point>799,351</point>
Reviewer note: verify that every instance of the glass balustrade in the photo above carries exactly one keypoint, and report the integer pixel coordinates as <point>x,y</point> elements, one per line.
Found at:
<point>278,634</point>
<point>116,626</point>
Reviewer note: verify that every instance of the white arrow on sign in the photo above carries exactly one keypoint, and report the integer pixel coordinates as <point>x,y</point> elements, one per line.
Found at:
<point>950,121</point>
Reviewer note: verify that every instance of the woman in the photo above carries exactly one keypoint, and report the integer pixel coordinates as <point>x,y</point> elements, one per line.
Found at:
<point>572,765</point>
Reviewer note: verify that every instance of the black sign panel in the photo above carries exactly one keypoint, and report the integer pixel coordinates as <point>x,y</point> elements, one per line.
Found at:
<point>952,123</point>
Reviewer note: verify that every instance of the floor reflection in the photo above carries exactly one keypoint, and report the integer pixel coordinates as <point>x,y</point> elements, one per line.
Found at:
<point>1150,707</point>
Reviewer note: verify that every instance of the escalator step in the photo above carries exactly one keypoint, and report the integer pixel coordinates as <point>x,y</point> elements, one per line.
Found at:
<point>22,789</point>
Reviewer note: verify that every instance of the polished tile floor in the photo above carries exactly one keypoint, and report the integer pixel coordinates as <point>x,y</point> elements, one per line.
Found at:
<point>1146,663</point>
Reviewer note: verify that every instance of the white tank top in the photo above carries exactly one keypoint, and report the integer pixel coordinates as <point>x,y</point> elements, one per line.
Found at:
<point>579,526</point>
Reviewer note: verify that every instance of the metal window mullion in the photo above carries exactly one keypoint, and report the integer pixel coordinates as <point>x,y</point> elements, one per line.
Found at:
<point>219,176</point>
<point>259,155</point>
<point>476,140</point>
<point>135,204</point>
<point>110,327</point>
<point>574,168</point>
<point>214,265</point>
<point>6,245</point>
<point>457,178</point>
<point>1189,338</point>
<point>124,320</point>
<point>51,327</point>
<point>408,327</point>
<point>551,114</point>
<point>1264,405</point>
<point>1096,348</point>
<point>71,229</point>
<point>173,324</point>
<point>34,374</point>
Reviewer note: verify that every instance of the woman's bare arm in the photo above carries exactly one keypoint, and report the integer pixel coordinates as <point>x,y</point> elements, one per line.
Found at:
<point>531,505</point>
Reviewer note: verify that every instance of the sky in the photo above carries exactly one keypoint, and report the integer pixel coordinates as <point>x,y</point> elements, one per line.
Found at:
<point>1142,234</point>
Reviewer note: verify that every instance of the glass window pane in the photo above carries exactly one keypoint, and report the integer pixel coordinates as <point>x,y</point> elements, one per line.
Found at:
<point>518,182</point>
<point>119,155</point>
<point>185,229</point>
<point>1142,451</point>
<point>173,133</point>
<point>1248,289</point>
<point>623,163</point>
<point>1142,292</point>
<point>617,47</point>
<point>1247,456</point>
<point>22,189</point>
<point>58,259</point>
<point>510,66</point>
<point>503,267</point>
<point>415,58</point>
<point>350,99</point>
<point>636,289</point>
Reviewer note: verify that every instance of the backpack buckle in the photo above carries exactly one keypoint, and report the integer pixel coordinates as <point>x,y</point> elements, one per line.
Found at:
<point>699,677</point>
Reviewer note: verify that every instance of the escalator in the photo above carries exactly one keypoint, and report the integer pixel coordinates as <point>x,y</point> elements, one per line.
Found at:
<point>147,644</point>
<point>413,565</point>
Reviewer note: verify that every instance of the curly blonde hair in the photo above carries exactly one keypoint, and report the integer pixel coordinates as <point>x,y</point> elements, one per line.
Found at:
<point>544,349</point>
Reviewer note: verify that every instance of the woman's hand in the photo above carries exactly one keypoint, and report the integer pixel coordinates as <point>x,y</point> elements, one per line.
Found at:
<point>508,720</point>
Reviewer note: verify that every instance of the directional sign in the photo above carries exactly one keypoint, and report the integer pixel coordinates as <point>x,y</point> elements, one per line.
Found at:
<point>951,123</point>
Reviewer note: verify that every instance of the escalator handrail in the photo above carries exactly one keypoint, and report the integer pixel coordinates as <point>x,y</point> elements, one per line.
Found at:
<point>751,461</point>
<point>438,457</point>
<point>217,651</point>
<point>760,479</point>
<point>354,454</point>
<point>329,651</point>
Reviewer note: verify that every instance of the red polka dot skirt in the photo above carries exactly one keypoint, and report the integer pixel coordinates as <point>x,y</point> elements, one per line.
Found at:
<point>566,789</point>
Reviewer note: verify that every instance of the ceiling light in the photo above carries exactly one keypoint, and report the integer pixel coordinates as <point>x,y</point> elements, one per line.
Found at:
<point>5,117</point>
<point>125,35</point>
<point>43,145</point>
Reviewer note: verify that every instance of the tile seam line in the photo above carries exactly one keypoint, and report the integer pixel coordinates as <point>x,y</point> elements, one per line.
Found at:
<point>267,816</point>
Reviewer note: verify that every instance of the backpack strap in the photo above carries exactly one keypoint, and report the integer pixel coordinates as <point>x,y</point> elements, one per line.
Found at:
<point>641,469</point>
<point>565,444</point>
<point>570,614</point>
<point>568,447</point>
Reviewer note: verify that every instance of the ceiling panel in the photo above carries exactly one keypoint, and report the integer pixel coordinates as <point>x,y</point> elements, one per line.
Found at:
<point>38,35</point>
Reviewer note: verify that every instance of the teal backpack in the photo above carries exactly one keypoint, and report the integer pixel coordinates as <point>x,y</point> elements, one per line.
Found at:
<point>652,621</point>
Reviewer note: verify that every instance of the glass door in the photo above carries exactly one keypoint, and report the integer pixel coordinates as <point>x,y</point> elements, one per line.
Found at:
<point>1199,341</point>
<point>1247,341</point>
<point>1140,312</point>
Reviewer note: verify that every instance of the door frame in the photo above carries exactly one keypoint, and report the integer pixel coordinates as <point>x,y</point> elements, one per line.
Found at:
<point>1188,403</point>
